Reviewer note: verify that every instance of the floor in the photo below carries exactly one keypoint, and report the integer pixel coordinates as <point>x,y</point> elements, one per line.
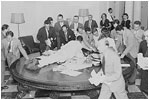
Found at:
<point>11,92</point>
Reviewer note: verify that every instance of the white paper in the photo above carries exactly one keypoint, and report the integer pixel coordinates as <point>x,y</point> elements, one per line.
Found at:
<point>125,65</point>
<point>71,72</point>
<point>142,61</point>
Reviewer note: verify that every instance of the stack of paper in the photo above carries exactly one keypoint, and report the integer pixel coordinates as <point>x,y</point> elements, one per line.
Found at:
<point>142,61</point>
<point>71,72</point>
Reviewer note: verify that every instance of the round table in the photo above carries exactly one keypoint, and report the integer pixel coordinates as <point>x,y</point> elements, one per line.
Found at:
<point>47,79</point>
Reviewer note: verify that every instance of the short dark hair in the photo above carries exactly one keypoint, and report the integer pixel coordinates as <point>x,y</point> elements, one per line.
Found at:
<point>109,9</point>
<point>76,16</point>
<point>5,26</point>
<point>137,22</point>
<point>104,14</point>
<point>105,32</point>
<point>90,15</point>
<point>80,38</point>
<point>126,15</point>
<point>9,33</point>
<point>50,18</point>
<point>60,15</point>
<point>116,21</point>
<point>87,29</point>
<point>65,26</point>
<point>47,22</point>
<point>119,28</point>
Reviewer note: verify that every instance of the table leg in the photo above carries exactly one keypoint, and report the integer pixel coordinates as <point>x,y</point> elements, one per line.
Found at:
<point>54,94</point>
<point>93,94</point>
<point>22,91</point>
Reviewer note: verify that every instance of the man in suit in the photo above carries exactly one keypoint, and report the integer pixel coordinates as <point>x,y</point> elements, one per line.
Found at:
<point>52,34</point>
<point>66,35</point>
<point>43,35</point>
<point>12,48</point>
<point>5,29</point>
<point>110,17</point>
<point>112,79</point>
<point>58,26</point>
<point>130,52</point>
<point>90,23</point>
<point>75,24</point>
<point>138,32</point>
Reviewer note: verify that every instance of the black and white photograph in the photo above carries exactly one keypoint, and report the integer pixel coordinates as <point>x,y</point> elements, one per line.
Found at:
<point>74,49</point>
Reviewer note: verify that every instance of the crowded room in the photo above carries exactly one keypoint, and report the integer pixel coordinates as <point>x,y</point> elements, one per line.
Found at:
<point>74,49</point>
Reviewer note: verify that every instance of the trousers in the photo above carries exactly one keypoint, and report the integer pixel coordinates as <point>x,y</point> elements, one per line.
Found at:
<point>105,93</point>
<point>2,72</point>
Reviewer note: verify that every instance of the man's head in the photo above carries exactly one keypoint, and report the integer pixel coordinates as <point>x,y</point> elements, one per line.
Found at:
<point>80,38</point>
<point>60,18</point>
<point>87,30</point>
<point>9,35</point>
<point>51,20</point>
<point>76,19</point>
<point>110,10</point>
<point>47,24</point>
<point>116,22</point>
<point>119,29</point>
<point>90,17</point>
<point>5,28</point>
<point>64,28</point>
<point>80,29</point>
<point>137,25</point>
<point>102,45</point>
<point>125,16</point>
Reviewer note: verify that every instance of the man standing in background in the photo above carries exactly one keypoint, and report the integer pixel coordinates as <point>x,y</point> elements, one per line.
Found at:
<point>5,29</point>
<point>43,35</point>
<point>58,26</point>
<point>75,24</point>
<point>90,23</point>
<point>110,17</point>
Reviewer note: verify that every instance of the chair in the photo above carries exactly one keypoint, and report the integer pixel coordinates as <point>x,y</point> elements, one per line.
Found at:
<point>29,45</point>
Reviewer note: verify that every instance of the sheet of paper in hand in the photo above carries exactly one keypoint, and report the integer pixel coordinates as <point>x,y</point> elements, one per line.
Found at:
<point>96,77</point>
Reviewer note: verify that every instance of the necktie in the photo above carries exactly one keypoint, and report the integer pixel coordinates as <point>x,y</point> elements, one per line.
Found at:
<point>112,18</point>
<point>103,65</point>
<point>9,47</point>
<point>66,37</point>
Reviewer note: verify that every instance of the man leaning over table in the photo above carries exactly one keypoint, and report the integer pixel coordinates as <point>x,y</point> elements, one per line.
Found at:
<point>130,52</point>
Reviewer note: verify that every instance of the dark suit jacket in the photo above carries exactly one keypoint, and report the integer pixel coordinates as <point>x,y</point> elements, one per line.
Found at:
<point>79,25</point>
<point>126,24</point>
<point>143,48</point>
<point>57,27</point>
<point>42,36</point>
<point>93,25</point>
<point>70,36</point>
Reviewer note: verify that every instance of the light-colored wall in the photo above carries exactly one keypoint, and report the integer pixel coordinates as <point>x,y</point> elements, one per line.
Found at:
<point>36,12</point>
